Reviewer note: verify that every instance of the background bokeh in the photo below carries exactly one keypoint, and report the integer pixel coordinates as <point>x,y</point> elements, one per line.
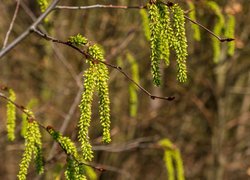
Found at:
<point>208,121</point>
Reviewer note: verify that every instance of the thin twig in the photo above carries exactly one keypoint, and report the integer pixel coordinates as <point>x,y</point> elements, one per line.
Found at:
<point>20,107</point>
<point>11,24</point>
<point>109,168</point>
<point>211,32</point>
<point>58,53</point>
<point>98,6</point>
<point>47,128</point>
<point>27,31</point>
<point>170,4</point>
<point>86,55</point>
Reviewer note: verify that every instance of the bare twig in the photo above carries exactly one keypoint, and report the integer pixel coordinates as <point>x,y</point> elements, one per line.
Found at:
<point>169,4</point>
<point>17,105</point>
<point>21,108</point>
<point>86,55</point>
<point>211,32</point>
<point>58,53</point>
<point>99,6</point>
<point>113,169</point>
<point>11,24</point>
<point>28,30</point>
<point>54,6</point>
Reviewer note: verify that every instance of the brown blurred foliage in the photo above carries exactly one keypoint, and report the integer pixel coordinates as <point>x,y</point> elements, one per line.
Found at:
<point>208,120</point>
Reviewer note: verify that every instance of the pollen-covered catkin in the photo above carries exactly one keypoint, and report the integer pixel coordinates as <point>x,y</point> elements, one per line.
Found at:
<point>155,40</point>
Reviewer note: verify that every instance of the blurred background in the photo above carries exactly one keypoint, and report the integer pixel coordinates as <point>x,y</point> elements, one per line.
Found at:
<point>208,120</point>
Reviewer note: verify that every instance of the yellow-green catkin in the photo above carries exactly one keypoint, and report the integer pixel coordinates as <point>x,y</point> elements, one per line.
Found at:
<point>145,23</point>
<point>104,103</point>
<point>155,41</point>
<point>90,173</point>
<point>65,143</point>
<point>169,164</point>
<point>168,157</point>
<point>70,172</point>
<point>90,76</point>
<point>173,160</point>
<point>229,32</point>
<point>96,77</point>
<point>39,163</point>
<point>133,96</point>
<point>74,170</point>
<point>167,30</point>
<point>192,15</point>
<point>33,149</point>
<point>97,53</point>
<point>11,116</point>
<point>180,43</point>
<point>218,27</point>
<point>78,40</point>
<point>43,5</point>
<point>166,33</point>
<point>29,113</point>
<point>179,164</point>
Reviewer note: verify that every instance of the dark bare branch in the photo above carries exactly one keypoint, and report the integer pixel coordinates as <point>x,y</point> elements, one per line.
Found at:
<point>28,30</point>
<point>11,24</point>
<point>86,55</point>
<point>99,6</point>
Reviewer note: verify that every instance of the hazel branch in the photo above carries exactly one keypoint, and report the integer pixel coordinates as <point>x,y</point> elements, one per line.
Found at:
<point>28,30</point>
<point>86,55</point>
<point>169,4</point>
<point>209,31</point>
<point>11,24</point>
<point>110,6</point>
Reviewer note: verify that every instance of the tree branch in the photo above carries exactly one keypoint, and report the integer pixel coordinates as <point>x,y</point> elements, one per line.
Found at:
<point>170,4</point>
<point>211,32</point>
<point>98,6</point>
<point>58,54</point>
<point>86,55</point>
<point>11,24</point>
<point>28,30</point>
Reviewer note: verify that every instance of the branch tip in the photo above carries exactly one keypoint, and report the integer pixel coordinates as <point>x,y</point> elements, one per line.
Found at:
<point>171,98</point>
<point>227,39</point>
<point>152,97</point>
